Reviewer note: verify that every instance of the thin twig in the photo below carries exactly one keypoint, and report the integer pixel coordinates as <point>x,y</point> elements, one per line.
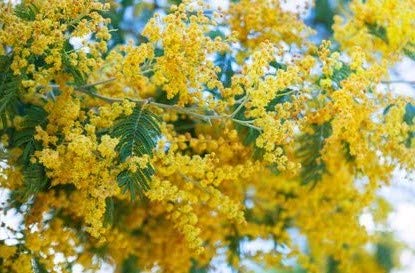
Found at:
<point>398,81</point>
<point>85,89</point>
<point>244,101</point>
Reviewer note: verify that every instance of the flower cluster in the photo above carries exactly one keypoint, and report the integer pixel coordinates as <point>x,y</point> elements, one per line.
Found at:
<point>211,131</point>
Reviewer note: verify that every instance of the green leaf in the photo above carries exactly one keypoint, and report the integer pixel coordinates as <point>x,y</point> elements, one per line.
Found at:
<point>26,12</point>
<point>324,13</point>
<point>409,118</point>
<point>248,134</point>
<point>278,65</point>
<point>35,180</point>
<point>332,265</point>
<point>135,182</point>
<point>34,116</point>
<point>341,74</point>
<point>9,87</point>
<point>409,114</point>
<point>409,51</point>
<point>225,61</point>
<point>138,135</point>
<point>24,138</point>
<point>378,31</point>
<point>384,256</point>
<point>109,212</point>
<point>309,153</point>
<point>78,77</point>
<point>196,268</point>
<point>130,265</point>
<point>281,97</point>
<point>5,104</point>
<point>38,267</point>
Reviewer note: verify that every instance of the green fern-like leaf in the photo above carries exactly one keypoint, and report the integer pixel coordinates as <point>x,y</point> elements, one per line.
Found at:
<point>409,51</point>
<point>378,31</point>
<point>138,135</point>
<point>38,267</point>
<point>341,74</point>
<point>35,180</point>
<point>34,174</point>
<point>130,265</point>
<point>225,61</point>
<point>9,86</point>
<point>26,12</point>
<point>79,78</point>
<point>109,211</point>
<point>384,256</point>
<point>24,138</point>
<point>309,153</point>
<point>332,265</point>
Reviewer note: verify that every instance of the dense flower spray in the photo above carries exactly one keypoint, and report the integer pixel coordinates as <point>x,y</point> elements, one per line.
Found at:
<point>210,130</point>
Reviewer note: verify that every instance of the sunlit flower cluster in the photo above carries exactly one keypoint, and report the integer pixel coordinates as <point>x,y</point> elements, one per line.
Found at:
<point>229,140</point>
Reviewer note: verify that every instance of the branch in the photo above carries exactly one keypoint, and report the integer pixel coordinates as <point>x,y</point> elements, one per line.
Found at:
<point>85,89</point>
<point>398,81</point>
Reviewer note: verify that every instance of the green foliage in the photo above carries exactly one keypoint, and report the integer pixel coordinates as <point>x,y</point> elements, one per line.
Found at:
<point>309,153</point>
<point>409,51</point>
<point>26,12</point>
<point>409,114</point>
<point>278,65</point>
<point>248,134</point>
<point>38,267</point>
<point>378,31</point>
<point>109,212</point>
<point>324,13</point>
<point>9,87</point>
<point>138,134</point>
<point>409,118</point>
<point>332,265</point>
<point>224,61</point>
<point>384,256</point>
<point>198,269</point>
<point>78,76</point>
<point>271,216</point>
<point>341,74</point>
<point>24,138</point>
<point>130,265</point>
<point>35,179</point>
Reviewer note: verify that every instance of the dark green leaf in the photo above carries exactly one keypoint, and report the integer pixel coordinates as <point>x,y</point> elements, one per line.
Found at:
<point>309,153</point>
<point>409,50</point>
<point>38,267</point>
<point>384,256</point>
<point>109,211</point>
<point>378,31</point>
<point>26,12</point>
<point>324,13</point>
<point>35,180</point>
<point>332,265</point>
<point>138,135</point>
<point>341,74</point>
<point>409,114</point>
<point>130,265</point>
<point>224,61</point>
<point>278,65</point>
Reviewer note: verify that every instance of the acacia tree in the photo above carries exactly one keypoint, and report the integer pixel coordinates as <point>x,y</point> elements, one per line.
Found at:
<point>159,144</point>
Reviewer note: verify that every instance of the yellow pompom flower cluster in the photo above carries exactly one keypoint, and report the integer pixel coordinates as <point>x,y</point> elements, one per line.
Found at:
<point>384,26</point>
<point>258,21</point>
<point>41,31</point>
<point>185,66</point>
<point>227,140</point>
